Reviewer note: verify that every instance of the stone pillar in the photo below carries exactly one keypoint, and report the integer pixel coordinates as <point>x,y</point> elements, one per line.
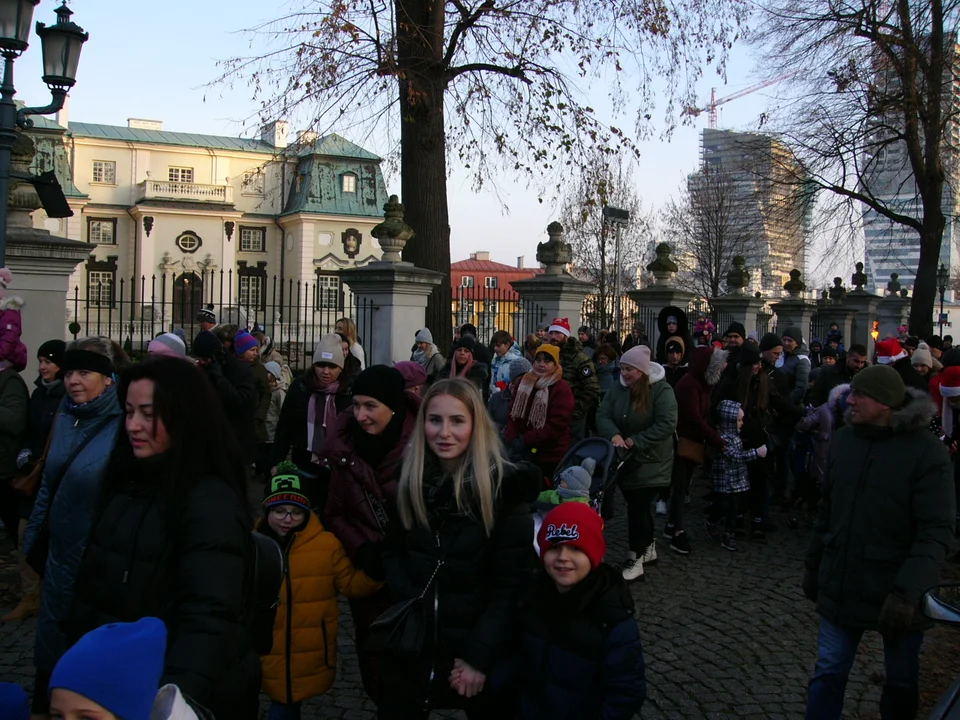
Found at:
<point>865,304</point>
<point>663,293</point>
<point>844,316</point>
<point>41,264</point>
<point>397,290</point>
<point>892,308</point>
<point>794,310</point>
<point>556,292</point>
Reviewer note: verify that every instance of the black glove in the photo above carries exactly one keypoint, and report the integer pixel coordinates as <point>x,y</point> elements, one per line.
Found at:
<point>896,615</point>
<point>810,584</point>
<point>369,558</point>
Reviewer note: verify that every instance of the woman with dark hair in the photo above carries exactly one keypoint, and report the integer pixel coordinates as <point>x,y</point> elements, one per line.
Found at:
<point>363,452</point>
<point>309,413</point>
<point>84,431</point>
<point>467,363</point>
<point>171,537</point>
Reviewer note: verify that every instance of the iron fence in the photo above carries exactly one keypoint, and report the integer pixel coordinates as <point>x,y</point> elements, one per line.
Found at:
<point>493,309</point>
<point>293,313</point>
<point>601,314</point>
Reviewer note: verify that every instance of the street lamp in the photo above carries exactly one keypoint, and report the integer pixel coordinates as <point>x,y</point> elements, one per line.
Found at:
<point>943,277</point>
<point>61,43</point>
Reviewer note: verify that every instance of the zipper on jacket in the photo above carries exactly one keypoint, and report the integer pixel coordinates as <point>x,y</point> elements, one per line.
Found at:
<point>436,625</point>
<point>286,659</point>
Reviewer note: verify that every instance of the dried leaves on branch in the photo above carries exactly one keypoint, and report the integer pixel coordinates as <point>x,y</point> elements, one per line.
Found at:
<point>872,114</point>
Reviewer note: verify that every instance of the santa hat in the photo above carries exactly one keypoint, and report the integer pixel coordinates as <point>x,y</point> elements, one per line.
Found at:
<point>948,387</point>
<point>889,351</point>
<point>560,325</point>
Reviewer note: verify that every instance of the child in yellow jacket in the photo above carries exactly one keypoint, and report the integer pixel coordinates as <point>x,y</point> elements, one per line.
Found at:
<point>303,661</point>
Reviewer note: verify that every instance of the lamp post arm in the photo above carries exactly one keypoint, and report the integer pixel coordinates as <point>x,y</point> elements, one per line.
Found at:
<point>58,98</point>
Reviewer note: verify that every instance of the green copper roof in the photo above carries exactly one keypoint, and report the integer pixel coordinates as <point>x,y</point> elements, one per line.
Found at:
<point>334,145</point>
<point>166,137</point>
<point>318,187</point>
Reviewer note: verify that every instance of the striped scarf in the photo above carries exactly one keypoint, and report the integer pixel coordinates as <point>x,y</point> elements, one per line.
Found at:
<point>538,410</point>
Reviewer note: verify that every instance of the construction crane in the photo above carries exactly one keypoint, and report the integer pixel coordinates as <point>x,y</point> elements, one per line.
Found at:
<point>714,103</point>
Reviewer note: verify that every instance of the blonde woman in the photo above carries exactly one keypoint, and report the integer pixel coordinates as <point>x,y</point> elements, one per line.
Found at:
<point>348,327</point>
<point>462,540</point>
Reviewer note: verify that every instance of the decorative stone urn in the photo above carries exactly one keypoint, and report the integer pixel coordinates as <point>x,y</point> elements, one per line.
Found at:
<point>393,233</point>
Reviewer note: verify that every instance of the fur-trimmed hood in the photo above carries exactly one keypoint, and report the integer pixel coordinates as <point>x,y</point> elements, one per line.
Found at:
<point>916,414</point>
<point>833,400</point>
<point>14,302</point>
<point>707,364</point>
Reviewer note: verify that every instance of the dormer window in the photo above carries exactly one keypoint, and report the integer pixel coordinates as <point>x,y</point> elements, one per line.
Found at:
<point>349,183</point>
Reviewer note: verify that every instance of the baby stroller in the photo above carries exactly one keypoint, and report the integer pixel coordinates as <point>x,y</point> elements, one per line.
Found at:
<point>608,462</point>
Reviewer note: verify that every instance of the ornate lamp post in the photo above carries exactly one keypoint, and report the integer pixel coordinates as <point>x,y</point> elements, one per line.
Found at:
<point>61,43</point>
<point>943,277</point>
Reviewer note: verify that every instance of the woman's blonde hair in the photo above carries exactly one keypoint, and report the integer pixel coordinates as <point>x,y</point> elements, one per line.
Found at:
<point>640,393</point>
<point>476,481</point>
<point>349,329</point>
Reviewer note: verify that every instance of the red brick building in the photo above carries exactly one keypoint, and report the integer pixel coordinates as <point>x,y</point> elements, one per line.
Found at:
<point>482,294</point>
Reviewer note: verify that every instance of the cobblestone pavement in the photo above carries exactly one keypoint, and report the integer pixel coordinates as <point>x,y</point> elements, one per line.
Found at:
<point>726,635</point>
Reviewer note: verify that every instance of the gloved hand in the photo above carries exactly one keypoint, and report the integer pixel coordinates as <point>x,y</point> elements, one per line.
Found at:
<point>810,584</point>
<point>896,615</point>
<point>369,558</point>
<point>23,457</point>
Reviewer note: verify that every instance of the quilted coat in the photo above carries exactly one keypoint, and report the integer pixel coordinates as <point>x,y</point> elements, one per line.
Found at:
<point>303,661</point>
<point>71,511</point>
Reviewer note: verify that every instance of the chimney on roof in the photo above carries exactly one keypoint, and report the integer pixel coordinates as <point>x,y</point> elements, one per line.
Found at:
<point>142,124</point>
<point>520,261</point>
<point>275,133</point>
<point>480,255</point>
<point>306,137</point>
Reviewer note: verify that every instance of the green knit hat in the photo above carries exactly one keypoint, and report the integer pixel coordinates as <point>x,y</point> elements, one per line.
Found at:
<point>882,383</point>
<point>285,488</point>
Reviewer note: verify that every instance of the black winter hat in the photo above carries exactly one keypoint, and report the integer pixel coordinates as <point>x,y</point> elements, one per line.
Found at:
<point>383,383</point>
<point>53,351</point>
<point>749,355</point>
<point>934,341</point>
<point>770,341</point>
<point>912,342</point>
<point>737,328</point>
<point>951,358</point>
<point>206,345</point>
<point>467,342</point>
<point>830,351</point>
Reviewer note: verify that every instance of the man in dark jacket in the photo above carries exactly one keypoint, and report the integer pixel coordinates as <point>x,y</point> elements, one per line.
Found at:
<point>839,374</point>
<point>580,374</point>
<point>884,527</point>
<point>232,380</point>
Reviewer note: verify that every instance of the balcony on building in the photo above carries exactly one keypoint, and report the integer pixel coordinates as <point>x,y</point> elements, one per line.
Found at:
<point>184,191</point>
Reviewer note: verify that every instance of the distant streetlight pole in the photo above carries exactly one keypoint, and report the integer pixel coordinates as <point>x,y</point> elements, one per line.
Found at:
<point>61,43</point>
<point>619,218</point>
<point>943,277</point>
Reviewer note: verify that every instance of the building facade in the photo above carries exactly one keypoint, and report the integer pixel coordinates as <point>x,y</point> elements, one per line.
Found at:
<point>483,296</point>
<point>257,228</point>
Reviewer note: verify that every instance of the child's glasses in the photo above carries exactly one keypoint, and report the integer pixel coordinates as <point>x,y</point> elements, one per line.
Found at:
<point>281,513</point>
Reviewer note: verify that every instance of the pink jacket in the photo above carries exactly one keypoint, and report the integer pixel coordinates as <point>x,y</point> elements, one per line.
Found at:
<point>11,328</point>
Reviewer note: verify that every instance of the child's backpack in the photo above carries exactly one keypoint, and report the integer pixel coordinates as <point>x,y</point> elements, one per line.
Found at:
<point>262,582</point>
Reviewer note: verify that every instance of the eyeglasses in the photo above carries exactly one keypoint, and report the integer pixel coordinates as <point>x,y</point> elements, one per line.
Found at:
<point>281,513</point>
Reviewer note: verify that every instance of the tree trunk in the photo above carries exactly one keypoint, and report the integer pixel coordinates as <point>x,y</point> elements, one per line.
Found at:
<point>423,162</point>
<point>925,287</point>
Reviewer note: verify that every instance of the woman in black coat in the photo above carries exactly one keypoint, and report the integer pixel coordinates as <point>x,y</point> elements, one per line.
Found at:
<point>171,537</point>
<point>464,537</point>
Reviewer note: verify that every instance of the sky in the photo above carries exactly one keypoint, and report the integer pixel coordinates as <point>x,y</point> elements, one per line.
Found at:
<point>153,60</point>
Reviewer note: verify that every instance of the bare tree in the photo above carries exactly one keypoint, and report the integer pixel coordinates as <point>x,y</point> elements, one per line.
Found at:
<point>597,259</point>
<point>871,113</point>
<point>496,84</point>
<point>710,228</point>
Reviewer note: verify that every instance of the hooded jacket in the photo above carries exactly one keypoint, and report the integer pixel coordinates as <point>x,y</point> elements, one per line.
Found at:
<point>14,400</point>
<point>348,513</point>
<point>729,470</point>
<point>70,512</point>
<point>693,395</point>
<point>796,367</point>
<point>651,461</point>
<point>500,368</point>
<point>277,395</point>
<point>473,600</point>
<point>303,660</point>
<point>683,332</point>
<point>886,516</point>
<point>11,330</point>
<point>822,422</point>
<point>581,376</point>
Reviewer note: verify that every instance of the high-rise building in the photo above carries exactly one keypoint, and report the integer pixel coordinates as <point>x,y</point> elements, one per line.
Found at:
<point>768,221</point>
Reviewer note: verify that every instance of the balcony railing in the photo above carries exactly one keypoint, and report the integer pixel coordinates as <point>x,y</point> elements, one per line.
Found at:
<point>195,192</point>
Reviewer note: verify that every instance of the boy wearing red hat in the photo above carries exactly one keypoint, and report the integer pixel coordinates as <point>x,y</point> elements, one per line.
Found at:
<point>581,653</point>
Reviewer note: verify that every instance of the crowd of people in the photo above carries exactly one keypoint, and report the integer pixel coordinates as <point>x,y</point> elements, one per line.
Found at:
<point>410,489</point>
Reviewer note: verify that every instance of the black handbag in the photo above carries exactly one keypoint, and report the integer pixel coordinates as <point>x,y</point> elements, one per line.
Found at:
<point>402,628</point>
<point>40,550</point>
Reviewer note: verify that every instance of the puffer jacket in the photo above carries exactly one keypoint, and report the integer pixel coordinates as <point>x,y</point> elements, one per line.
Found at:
<point>262,397</point>
<point>651,460</point>
<point>182,560</point>
<point>291,433</point>
<point>11,331</point>
<point>608,375</point>
<point>582,656</point>
<point>551,442</point>
<point>70,511</point>
<point>44,403</point>
<point>348,512</point>
<point>693,395</point>
<point>474,598</point>
<point>581,376</point>
<point>886,516</point>
<point>500,368</point>
<point>797,366</point>
<point>14,400</point>
<point>822,422</point>
<point>303,661</point>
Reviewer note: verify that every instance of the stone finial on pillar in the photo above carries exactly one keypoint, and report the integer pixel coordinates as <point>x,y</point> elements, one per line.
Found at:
<point>859,278</point>
<point>663,267</point>
<point>393,233</point>
<point>794,286</point>
<point>893,287</point>
<point>838,293</point>
<point>739,277</point>
<point>555,253</point>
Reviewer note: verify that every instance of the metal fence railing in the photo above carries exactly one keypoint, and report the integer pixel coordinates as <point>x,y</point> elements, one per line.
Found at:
<point>493,309</point>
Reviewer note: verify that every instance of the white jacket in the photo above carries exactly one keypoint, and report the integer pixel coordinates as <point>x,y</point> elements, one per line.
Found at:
<point>171,705</point>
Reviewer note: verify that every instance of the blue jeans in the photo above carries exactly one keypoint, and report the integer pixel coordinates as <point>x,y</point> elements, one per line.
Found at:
<point>279,711</point>
<point>836,648</point>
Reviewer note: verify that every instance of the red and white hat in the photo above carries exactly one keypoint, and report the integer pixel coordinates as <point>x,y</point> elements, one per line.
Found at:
<point>949,387</point>
<point>560,325</point>
<point>889,351</point>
